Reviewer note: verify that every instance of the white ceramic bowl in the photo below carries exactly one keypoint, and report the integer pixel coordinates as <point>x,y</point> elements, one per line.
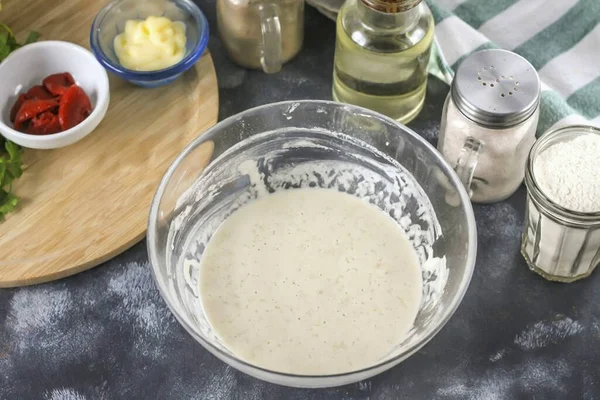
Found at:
<point>29,65</point>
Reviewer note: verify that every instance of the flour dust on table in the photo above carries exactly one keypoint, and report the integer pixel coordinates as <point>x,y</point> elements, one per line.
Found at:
<point>64,394</point>
<point>543,333</point>
<point>310,281</point>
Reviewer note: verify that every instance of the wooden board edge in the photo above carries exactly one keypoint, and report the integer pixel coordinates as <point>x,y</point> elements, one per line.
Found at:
<point>28,281</point>
<point>73,270</point>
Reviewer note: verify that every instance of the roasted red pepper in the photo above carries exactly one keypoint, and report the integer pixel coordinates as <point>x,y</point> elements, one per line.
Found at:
<point>30,109</point>
<point>57,84</point>
<point>16,107</point>
<point>38,92</point>
<point>45,123</point>
<point>74,107</point>
<point>56,106</point>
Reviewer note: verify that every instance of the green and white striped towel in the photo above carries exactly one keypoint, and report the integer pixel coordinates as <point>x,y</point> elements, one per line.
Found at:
<point>561,38</point>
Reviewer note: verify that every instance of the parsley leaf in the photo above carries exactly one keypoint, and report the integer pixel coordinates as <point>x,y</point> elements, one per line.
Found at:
<point>8,42</point>
<point>11,168</point>
<point>11,164</point>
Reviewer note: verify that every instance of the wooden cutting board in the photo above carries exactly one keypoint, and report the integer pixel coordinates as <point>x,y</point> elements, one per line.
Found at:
<point>84,204</point>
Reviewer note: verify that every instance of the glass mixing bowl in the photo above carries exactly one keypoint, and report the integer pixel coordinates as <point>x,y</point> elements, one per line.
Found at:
<point>290,145</point>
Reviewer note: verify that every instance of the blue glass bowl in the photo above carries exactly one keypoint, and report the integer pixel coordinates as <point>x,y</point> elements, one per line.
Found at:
<point>111,20</point>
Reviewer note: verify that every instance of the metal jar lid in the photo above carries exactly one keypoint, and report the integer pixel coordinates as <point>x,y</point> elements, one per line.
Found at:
<point>391,6</point>
<point>496,88</point>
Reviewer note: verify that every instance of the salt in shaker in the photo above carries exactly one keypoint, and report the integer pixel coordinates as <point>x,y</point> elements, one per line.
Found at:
<point>489,122</point>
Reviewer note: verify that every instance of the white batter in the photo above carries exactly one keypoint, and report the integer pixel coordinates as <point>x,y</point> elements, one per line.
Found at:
<point>310,281</point>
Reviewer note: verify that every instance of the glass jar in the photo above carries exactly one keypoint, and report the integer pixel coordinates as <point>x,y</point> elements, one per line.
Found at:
<point>559,244</point>
<point>261,33</point>
<point>489,122</point>
<point>381,56</point>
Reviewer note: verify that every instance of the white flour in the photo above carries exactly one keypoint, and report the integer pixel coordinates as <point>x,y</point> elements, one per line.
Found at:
<point>497,356</point>
<point>568,173</point>
<point>547,332</point>
<point>64,394</point>
<point>38,308</point>
<point>139,300</point>
<point>530,378</point>
<point>141,308</point>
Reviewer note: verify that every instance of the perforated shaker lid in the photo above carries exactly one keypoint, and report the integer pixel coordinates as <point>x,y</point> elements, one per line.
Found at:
<point>496,88</point>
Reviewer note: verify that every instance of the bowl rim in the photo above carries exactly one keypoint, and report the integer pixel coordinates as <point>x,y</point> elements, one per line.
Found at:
<point>148,76</point>
<point>376,368</point>
<point>101,103</point>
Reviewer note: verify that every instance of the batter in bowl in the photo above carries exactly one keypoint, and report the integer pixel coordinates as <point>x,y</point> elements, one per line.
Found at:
<point>310,282</point>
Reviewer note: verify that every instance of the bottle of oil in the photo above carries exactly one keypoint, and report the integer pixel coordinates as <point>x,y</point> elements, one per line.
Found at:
<point>381,55</point>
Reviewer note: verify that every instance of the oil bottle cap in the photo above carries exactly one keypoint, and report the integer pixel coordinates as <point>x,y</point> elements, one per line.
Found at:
<point>391,6</point>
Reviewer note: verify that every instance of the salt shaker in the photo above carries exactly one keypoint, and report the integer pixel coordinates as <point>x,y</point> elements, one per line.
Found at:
<point>561,236</point>
<point>489,122</point>
<point>261,33</point>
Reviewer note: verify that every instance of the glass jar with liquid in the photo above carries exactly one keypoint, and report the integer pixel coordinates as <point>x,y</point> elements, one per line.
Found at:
<point>261,34</point>
<point>381,56</point>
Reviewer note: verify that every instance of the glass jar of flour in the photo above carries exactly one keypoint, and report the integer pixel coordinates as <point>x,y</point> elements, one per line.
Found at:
<point>561,237</point>
<point>489,122</point>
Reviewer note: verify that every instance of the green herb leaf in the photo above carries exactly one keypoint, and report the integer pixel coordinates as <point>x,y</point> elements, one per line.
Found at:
<point>8,203</point>
<point>7,29</point>
<point>11,167</point>
<point>4,178</point>
<point>14,166</point>
<point>3,38</point>
<point>32,37</point>
<point>12,42</point>
<point>4,52</point>
<point>8,42</point>
<point>11,164</point>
